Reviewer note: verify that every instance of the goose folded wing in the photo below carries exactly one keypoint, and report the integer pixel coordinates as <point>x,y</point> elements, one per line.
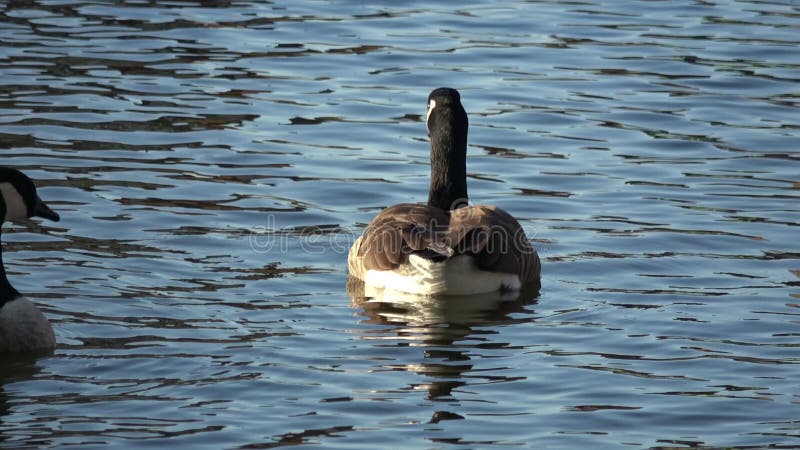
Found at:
<point>496,239</point>
<point>400,230</point>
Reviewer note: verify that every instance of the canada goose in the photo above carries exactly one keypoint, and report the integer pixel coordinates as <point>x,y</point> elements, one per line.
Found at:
<point>445,246</point>
<point>23,327</point>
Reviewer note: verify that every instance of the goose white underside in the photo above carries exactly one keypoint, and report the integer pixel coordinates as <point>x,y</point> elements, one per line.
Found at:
<point>455,276</point>
<point>24,328</point>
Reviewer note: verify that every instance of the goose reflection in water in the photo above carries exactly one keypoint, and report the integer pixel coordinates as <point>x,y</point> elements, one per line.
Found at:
<point>445,326</point>
<point>15,367</point>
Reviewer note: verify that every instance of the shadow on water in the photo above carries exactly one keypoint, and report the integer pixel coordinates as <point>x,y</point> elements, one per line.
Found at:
<point>446,328</point>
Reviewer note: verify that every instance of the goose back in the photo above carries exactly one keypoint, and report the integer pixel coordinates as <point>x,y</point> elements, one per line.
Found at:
<point>491,236</point>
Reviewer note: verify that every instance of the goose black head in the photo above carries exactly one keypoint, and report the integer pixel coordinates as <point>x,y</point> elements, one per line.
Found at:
<point>445,112</point>
<point>18,198</point>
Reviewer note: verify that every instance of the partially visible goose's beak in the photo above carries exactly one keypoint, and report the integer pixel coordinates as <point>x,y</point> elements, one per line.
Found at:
<point>42,210</point>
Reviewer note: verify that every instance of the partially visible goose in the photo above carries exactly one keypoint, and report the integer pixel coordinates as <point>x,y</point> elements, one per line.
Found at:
<point>23,327</point>
<point>445,246</point>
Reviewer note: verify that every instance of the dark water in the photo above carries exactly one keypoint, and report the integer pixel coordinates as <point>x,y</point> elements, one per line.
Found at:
<point>212,161</point>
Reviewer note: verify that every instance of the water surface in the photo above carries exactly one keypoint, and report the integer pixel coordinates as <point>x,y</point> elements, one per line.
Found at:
<point>213,160</point>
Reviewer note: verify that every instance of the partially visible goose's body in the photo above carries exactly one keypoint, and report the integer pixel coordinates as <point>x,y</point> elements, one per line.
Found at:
<point>445,246</point>
<point>23,328</point>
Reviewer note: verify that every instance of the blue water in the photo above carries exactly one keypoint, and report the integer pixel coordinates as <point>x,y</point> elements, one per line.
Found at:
<point>213,160</point>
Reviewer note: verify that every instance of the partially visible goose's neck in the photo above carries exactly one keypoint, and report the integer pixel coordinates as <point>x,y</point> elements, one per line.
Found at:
<point>448,188</point>
<point>7,291</point>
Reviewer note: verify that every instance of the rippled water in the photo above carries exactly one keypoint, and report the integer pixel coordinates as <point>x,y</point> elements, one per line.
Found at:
<point>212,161</point>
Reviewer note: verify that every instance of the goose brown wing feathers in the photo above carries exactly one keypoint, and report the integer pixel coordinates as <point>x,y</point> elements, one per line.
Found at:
<point>491,235</point>
<point>496,239</point>
<point>400,230</point>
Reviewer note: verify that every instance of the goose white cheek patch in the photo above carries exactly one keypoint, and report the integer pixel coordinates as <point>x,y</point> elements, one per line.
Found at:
<point>15,206</point>
<point>431,105</point>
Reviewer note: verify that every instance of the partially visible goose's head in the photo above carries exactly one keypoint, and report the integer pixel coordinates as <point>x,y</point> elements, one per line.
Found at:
<point>19,198</point>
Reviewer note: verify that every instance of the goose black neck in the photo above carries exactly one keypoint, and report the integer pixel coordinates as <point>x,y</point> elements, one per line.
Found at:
<point>7,292</point>
<point>448,133</point>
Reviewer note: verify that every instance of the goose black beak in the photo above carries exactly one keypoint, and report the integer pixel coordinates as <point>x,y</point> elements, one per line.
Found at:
<point>42,210</point>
